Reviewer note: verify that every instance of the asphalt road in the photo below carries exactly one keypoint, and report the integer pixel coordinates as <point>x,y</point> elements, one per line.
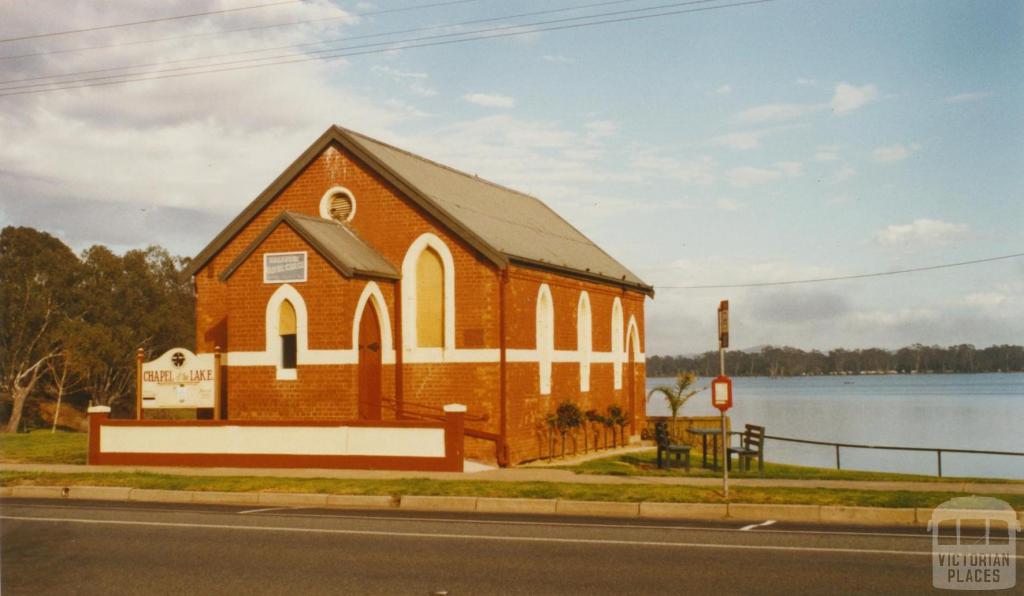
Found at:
<point>84,547</point>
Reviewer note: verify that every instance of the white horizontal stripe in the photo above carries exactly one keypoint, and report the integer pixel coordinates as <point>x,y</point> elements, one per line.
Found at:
<point>534,539</point>
<point>422,356</point>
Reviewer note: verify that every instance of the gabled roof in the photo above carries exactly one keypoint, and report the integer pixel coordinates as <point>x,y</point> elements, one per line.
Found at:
<point>336,243</point>
<point>501,224</point>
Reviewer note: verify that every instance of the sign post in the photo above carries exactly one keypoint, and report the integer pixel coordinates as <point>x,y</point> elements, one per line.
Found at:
<point>180,379</point>
<point>721,388</point>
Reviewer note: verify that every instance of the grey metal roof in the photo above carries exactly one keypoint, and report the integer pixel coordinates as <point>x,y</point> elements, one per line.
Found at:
<point>501,224</point>
<point>515,224</point>
<point>335,242</point>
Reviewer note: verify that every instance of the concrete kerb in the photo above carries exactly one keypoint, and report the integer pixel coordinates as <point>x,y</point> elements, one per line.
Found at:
<point>738,511</point>
<point>797,513</point>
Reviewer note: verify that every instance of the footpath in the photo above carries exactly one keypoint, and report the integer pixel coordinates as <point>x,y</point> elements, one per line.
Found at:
<point>540,472</point>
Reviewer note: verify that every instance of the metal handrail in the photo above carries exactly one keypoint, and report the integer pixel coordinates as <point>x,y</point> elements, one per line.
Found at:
<point>938,450</point>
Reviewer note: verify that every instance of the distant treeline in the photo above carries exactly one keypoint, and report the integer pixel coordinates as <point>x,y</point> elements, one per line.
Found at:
<point>772,361</point>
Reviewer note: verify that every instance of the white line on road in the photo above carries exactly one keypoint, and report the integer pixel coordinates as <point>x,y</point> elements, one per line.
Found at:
<point>266,509</point>
<point>426,535</point>
<point>760,525</point>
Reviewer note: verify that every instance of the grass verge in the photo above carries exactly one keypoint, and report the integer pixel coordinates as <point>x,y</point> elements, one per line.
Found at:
<point>537,490</point>
<point>643,463</point>
<point>44,447</point>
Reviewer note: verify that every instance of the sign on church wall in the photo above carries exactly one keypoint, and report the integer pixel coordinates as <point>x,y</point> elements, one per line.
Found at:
<point>282,267</point>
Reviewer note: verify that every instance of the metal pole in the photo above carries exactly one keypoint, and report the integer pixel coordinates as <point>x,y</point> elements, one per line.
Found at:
<point>837,458</point>
<point>725,437</point>
<point>939,452</point>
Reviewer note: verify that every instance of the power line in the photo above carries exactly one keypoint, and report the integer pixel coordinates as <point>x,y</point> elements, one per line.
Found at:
<point>148,21</point>
<point>500,32</point>
<point>239,30</point>
<point>841,278</point>
<point>316,43</point>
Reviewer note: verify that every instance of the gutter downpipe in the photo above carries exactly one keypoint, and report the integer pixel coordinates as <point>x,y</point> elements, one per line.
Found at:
<point>503,454</point>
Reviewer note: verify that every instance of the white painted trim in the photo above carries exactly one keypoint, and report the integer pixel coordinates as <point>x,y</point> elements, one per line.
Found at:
<point>584,338</point>
<point>411,351</point>
<point>325,202</point>
<point>272,346</point>
<point>305,266</point>
<point>618,342</point>
<point>633,338</point>
<point>372,292</point>
<point>455,408</point>
<point>545,337</point>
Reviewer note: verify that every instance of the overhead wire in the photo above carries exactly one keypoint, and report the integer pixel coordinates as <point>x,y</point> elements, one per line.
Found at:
<point>840,277</point>
<point>428,41</point>
<point>149,21</point>
<point>242,29</point>
<point>324,41</point>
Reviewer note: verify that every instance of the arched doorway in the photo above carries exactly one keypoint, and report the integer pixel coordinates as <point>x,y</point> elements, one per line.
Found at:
<point>369,363</point>
<point>633,350</point>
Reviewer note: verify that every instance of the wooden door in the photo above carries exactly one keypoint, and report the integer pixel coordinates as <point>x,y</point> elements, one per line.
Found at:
<point>369,364</point>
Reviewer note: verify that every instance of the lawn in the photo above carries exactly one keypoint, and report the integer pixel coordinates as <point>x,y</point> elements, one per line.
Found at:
<point>44,447</point>
<point>537,490</point>
<point>643,463</point>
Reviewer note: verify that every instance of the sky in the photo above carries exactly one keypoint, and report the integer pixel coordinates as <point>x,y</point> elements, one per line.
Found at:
<point>779,141</point>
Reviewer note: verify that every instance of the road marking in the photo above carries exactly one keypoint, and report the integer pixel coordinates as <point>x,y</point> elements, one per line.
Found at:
<point>265,509</point>
<point>426,535</point>
<point>760,525</point>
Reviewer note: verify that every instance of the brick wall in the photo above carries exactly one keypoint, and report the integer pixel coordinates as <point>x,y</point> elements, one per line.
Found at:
<point>232,315</point>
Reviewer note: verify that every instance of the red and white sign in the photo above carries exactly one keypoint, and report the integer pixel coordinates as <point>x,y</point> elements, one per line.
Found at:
<point>178,379</point>
<point>721,392</point>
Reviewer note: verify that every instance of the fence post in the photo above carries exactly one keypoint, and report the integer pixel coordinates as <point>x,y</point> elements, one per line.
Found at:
<point>454,440</point>
<point>939,452</point>
<point>837,458</point>
<point>97,416</point>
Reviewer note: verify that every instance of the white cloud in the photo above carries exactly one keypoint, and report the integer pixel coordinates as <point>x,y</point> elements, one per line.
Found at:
<point>597,129</point>
<point>558,59</point>
<point>490,100</point>
<point>739,140</point>
<point>893,153</point>
<point>843,174</point>
<point>792,169</point>
<point>806,82</point>
<point>413,81</point>
<point>826,153</point>
<point>722,90</point>
<point>727,204</point>
<point>747,176</point>
<point>967,97</point>
<point>774,112</point>
<point>921,232</point>
<point>698,170</point>
<point>848,98</point>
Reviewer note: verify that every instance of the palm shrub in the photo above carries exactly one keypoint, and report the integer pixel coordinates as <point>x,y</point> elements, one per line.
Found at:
<point>596,422</point>
<point>618,418</point>
<point>614,413</point>
<point>568,419</point>
<point>676,395</point>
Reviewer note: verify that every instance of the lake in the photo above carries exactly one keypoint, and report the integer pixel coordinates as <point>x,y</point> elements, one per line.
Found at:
<point>981,411</point>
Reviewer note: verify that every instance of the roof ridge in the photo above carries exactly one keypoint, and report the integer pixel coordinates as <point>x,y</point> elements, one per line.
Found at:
<point>474,177</point>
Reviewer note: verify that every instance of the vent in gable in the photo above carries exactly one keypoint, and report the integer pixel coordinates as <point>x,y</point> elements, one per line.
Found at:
<point>338,204</point>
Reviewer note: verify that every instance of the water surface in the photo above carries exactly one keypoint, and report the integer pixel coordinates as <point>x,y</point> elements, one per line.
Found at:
<point>981,411</point>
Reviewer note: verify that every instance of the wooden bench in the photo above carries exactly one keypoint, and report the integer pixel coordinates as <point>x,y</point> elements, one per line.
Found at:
<point>751,446</point>
<point>668,448</point>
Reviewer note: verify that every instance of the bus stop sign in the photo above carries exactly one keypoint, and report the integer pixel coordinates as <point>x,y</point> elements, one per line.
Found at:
<point>721,393</point>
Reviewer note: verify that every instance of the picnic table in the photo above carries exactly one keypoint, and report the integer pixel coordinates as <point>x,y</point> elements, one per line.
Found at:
<point>715,433</point>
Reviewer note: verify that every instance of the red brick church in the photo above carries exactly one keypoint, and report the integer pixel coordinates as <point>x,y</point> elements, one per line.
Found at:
<point>369,283</point>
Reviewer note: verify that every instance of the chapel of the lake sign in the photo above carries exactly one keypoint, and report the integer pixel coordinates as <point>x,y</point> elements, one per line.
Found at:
<point>371,285</point>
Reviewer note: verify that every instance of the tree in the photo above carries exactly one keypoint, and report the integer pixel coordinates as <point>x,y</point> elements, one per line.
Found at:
<point>140,299</point>
<point>37,274</point>
<point>676,395</point>
<point>64,379</point>
<point>567,419</point>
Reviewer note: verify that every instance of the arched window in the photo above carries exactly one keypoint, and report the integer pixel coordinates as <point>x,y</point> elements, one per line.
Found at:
<point>545,337</point>
<point>429,300</point>
<point>617,342</point>
<point>428,304</point>
<point>287,328</point>
<point>287,339</point>
<point>584,339</point>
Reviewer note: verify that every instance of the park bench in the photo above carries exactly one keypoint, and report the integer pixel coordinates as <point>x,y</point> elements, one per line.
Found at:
<point>667,448</point>
<point>751,446</point>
